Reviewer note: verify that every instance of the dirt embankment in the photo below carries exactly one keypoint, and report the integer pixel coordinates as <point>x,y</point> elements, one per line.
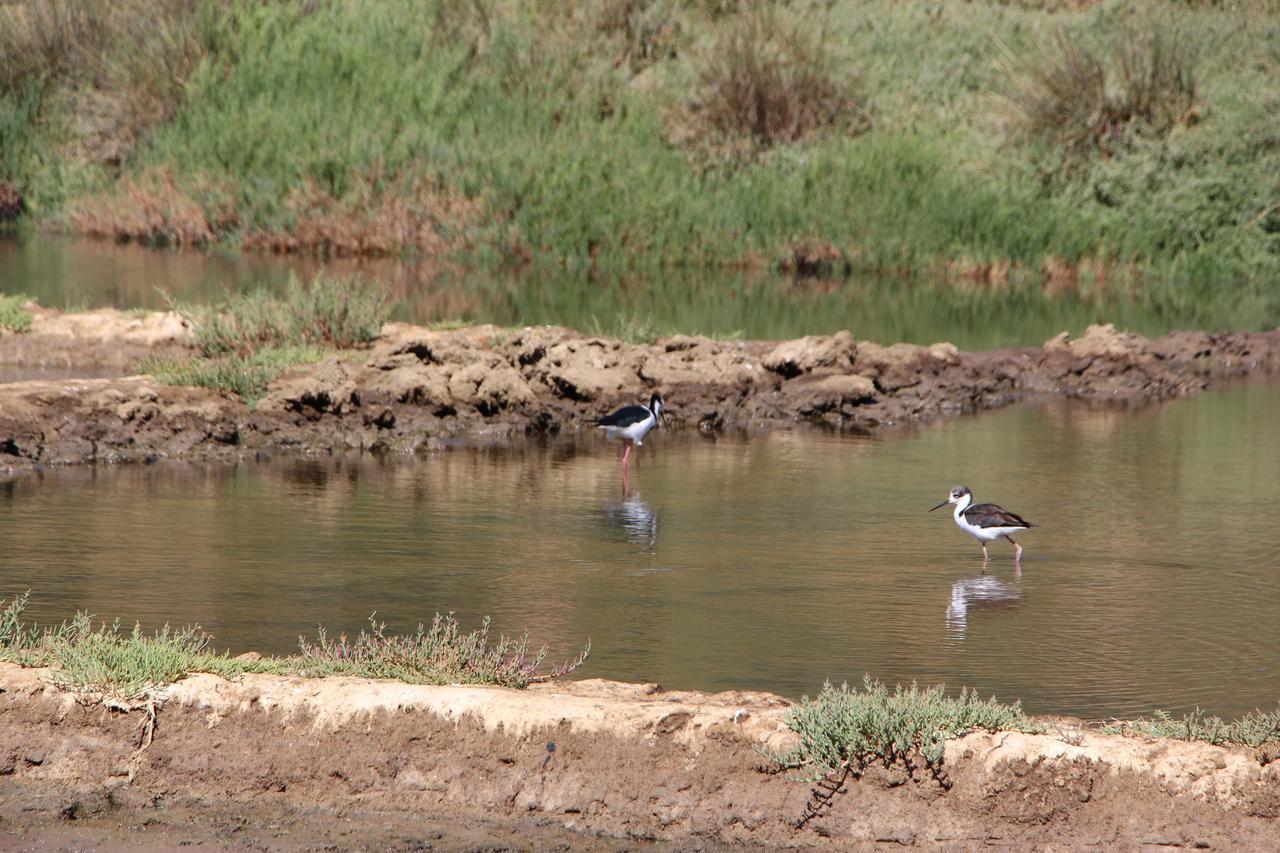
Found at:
<point>282,760</point>
<point>417,386</point>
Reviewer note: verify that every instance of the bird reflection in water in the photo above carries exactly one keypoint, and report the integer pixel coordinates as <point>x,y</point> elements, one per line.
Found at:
<point>634,519</point>
<point>983,592</point>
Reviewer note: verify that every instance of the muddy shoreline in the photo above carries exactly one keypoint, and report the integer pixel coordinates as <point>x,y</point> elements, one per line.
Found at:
<point>280,761</point>
<point>417,388</point>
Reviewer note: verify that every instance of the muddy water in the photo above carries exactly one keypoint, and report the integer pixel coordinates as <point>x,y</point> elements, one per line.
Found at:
<point>766,561</point>
<point>65,273</point>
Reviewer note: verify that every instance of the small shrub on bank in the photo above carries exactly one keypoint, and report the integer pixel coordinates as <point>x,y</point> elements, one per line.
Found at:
<point>247,376</point>
<point>14,315</point>
<point>331,311</point>
<point>129,664</point>
<point>1254,729</point>
<point>1083,101</point>
<point>767,80</point>
<point>854,728</point>
<point>442,654</point>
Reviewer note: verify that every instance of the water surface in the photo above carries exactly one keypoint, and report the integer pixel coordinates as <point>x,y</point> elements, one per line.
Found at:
<point>69,273</point>
<point>770,561</point>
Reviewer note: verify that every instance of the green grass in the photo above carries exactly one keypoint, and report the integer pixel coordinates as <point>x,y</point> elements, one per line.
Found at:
<point>252,338</point>
<point>330,311</point>
<point>13,316</point>
<point>247,376</point>
<point>128,664</point>
<point>1254,729</point>
<point>554,136</point>
<point>854,728</point>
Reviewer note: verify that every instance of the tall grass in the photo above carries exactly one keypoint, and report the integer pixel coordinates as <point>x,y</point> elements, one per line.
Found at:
<point>523,132</point>
<point>767,80</point>
<point>120,65</point>
<point>1087,102</point>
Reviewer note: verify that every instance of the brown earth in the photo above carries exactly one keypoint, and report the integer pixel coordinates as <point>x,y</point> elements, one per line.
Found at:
<point>416,387</point>
<point>276,762</point>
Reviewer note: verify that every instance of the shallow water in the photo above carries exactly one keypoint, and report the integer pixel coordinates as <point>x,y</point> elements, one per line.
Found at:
<point>67,273</point>
<point>769,561</point>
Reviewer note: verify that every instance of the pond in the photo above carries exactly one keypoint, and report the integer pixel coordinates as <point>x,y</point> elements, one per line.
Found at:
<point>70,273</point>
<point>764,561</point>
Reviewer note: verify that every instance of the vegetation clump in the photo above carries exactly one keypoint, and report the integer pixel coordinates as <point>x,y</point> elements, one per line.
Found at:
<point>768,80</point>
<point>129,664</point>
<point>1083,101</point>
<point>1253,729</point>
<point>252,338</point>
<point>851,728</point>
<point>441,654</point>
<point>14,315</point>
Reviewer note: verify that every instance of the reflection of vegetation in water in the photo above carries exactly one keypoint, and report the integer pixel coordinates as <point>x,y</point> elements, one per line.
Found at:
<point>128,664</point>
<point>513,131</point>
<point>761,306</point>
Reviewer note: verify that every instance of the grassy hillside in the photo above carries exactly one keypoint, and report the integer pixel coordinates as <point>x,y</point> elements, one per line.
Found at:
<point>981,137</point>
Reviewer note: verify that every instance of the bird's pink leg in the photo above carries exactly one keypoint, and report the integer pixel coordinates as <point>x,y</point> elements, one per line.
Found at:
<point>985,556</point>
<point>1017,551</point>
<point>626,454</point>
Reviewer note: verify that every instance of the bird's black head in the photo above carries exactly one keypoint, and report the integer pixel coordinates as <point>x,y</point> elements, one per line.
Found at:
<point>656,404</point>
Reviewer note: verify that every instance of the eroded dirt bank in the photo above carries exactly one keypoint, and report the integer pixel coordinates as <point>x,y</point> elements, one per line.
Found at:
<point>416,387</point>
<point>277,761</point>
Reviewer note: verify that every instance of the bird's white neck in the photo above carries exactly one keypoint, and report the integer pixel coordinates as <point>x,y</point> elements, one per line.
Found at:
<point>961,506</point>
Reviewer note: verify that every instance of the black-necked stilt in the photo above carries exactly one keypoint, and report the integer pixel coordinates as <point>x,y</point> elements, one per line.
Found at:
<point>985,522</point>
<point>631,424</point>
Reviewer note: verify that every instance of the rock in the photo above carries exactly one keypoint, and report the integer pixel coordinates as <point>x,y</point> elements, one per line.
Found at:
<point>585,382</point>
<point>1098,342</point>
<point>847,388</point>
<point>503,388</point>
<point>418,385</point>
<point>792,358</point>
<point>328,387</point>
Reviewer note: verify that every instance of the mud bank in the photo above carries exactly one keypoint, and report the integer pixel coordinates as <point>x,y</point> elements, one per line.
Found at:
<point>417,387</point>
<point>286,760</point>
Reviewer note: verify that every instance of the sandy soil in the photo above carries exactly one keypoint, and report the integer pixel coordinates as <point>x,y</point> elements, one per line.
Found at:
<point>279,762</point>
<point>416,387</point>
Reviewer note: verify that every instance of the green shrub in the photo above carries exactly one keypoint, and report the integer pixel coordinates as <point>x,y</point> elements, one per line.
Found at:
<point>331,311</point>
<point>442,654</point>
<point>853,728</point>
<point>14,315</point>
<point>129,664</point>
<point>1084,102</point>
<point>246,376</point>
<point>1254,729</point>
<point>767,80</point>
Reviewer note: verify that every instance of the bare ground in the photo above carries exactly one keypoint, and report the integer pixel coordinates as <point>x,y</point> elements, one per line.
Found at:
<point>277,762</point>
<point>417,387</point>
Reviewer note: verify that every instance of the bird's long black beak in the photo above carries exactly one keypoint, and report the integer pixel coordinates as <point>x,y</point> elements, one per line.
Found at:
<point>941,505</point>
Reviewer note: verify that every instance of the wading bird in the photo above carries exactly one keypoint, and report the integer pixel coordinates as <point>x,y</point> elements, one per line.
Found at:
<point>985,522</point>
<point>631,424</point>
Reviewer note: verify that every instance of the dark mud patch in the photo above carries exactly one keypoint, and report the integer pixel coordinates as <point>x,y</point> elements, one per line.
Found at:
<point>288,762</point>
<point>418,388</point>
